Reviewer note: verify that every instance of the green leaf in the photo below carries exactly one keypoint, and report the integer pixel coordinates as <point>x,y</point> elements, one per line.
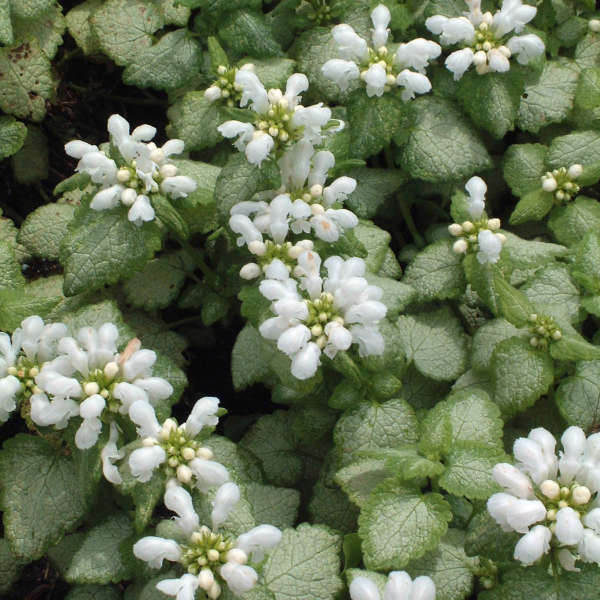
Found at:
<point>487,337</point>
<point>469,471</point>
<point>31,468</point>
<point>374,186</point>
<point>536,582</point>
<point>96,557</point>
<point>587,51</point>
<point>491,101</point>
<point>102,247</point>
<point>549,98</point>
<point>271,441</point>
<point>12,135</point>
<point>10,566</point>
<point>44,228</point>
<point>520,375</point>
<point>523,167</point>
<point>93,592</point>
<point>46,29</point>
<point>436,272</point>
<point>30,163</point>
<point>246,33</point>
<point>238,181</point>
<point>79,23</point>
<point>360,478</point>
<point>529,254</point>
<point>588,90</point>
<point>275,505</point>
<point>398,525</point>
<point>273,72</point>
<point>330,506</point>
<point>205,175</point>
<point>578,396</point>
<point>435,342</point>
<point>145,497</point>
<point>10,269</point>
<point>486,538</point>
<point>168,64</point>
<point>376,242</point>
<point>305,563</point>
<point>373,426</point>
<point>449,567</point>
<point>27,9</point>
<point>533,206</point>
<point>6,32</point>
<point>441,145</point>
<point>194,119</point>
<point>22,302</point>
<point>553,292</point>
<point>26,81</point>
<point>407,464</point>
<point>396,295</point>
<point>372,121</point>
<point>580,147</point>
<point>574,347</point>
<point>570,223</point>
<point>124,28</point>
<point>247,365</point>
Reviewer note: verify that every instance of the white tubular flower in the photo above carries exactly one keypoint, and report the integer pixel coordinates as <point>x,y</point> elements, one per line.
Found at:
<point>247,230</point>
<point>363,588</point>
<point>513,480</point>
<point>259,148</point>
<point>227,496</point>
<point>341,72</point>
<point>380,17</point>
<point>459,61</point>
<point>110,453</point>
<point>413,83</point>
<point>56,412</point>
<point>417,53</point>
<point>533,545</point>
<point>143,169</point>
<point>350,45</point>
<point>376,80</point>
<point>237,129</point>
<point>476,188</point>
<point>484,40</point>
<point>526,47</point>
<point>154,550</point>
<point>203,414</point>
<point>253,91</point>
<point>89,430</point>
<point>569,528</point>
<point>490,246</point>
<point>565,512</point>
<point>240,578</point>
<point>183,588</point>
<point>180,502</point>
<point>258,541</point>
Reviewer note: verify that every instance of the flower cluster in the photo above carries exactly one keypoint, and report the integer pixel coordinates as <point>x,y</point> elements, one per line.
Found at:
<point>543,330</point>
<point>280,119</point>
<point>380,67</point>
<point>480,235</point>
<point>176,447</point>
<point>551,500</point>
<point>22,357</point>
<point>562,182</point>
<point>209,556</point>
<point>137,170</point>
<point>399,586</point>
<point>225,87</point>
<point>324,315</point>
<point>484,38</point>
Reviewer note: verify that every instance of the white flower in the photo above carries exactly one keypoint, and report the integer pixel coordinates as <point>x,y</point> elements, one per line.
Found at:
<point>202,542</point>
<point>490,246</point>
<point>340,310</point>
<point>476,188</point>
<point>281,120</point>
<point>483,37</point>
<point>399,586</point>
<point>175,446</point>
<point>142,167</point>
<point>379,67</point>
<point>565,512</point>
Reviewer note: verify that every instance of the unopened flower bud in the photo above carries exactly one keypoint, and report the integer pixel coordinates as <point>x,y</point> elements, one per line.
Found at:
<point>551,514</point>
<point>533,341</point>
<point>565,492</point>
<point>505,51</point>
<point>250,271</point>
<point>184,474</point>
<point>317,209</point>
<point>460,246</point>
<point>594,25</point>
<point>306,244</point>
<point>173,462</point>
<point>168,426</point>
<point>148,442</point>
<point>575,171</point>
<point>479,58</point>
<point>221,69</point>
<point>316,330</point>
<point>550,489</point>
<point>493,224</point>
<point>90,388</point>
<point>257,247</point>
<point>560,195</point>
<point>214,592</point>
<point>549,184</point>
<point>206,579</point>
<point>168,171</point>
<point>390,79</point>
<point>556,334</point>
<point>487,46</point>
<point>468,226</point>
<point>188,453</point>
<point>123,175</point>
<point>581,495</point>
<point>111,369</point>
<point>455,229</point>
<point>237,555</point>
<point>157,155</point>
<point>212,555</point>
<point>316,190</point>
<point>34,372</point>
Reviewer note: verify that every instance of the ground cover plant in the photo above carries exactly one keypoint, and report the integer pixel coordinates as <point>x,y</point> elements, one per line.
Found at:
<point>300,299</point>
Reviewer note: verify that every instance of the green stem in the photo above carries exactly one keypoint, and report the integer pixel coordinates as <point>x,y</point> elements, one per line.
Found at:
<point>407,216</point>
<point>554,570</point>
<point>198,257</point>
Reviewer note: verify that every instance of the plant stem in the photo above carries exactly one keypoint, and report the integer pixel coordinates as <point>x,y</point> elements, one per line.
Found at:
<point>407,216</point>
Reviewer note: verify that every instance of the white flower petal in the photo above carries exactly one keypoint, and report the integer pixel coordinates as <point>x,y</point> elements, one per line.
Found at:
<point>154,550</point>
<point>459,61</point>
<point>533,545</point>
<point>179,501</point>
<point>227,496</point>
<point>143,461</point>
